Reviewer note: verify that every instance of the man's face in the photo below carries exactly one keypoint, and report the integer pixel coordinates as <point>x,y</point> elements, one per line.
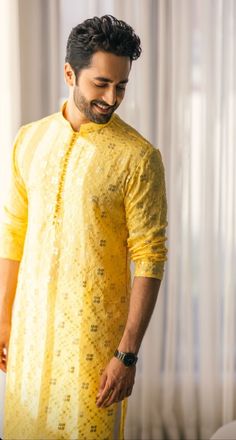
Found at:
<point>100,88</point>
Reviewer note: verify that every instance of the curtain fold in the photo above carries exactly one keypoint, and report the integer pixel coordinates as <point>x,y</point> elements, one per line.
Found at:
<point>9,72</point>
<point>196,107</point>
<point>39,55</point>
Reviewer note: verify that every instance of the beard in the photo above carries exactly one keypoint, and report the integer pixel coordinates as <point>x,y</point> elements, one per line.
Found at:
<point>88,108</point>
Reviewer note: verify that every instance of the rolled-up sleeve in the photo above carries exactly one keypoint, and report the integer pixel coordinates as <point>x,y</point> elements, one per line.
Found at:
<point>14,211</point>
<point>146,215</point>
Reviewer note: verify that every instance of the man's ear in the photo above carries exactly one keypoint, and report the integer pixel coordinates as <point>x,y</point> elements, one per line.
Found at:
<point>69,75</point>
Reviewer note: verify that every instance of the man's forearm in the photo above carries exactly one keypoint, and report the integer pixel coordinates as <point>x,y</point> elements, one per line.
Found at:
<point>8,282</point>
<point>142,302</point>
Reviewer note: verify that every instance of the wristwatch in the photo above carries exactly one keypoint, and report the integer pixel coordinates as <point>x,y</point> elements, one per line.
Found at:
<point>128,359</point>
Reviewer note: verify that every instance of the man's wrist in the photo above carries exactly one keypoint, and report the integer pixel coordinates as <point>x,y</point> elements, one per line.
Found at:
<point>130,341</point>
<point>129,359</point>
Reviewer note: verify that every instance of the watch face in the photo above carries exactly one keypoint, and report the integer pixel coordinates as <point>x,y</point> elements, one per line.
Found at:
<point>129,360</point>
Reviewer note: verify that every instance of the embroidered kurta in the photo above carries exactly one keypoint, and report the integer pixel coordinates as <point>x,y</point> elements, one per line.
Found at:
<point>80,207</point>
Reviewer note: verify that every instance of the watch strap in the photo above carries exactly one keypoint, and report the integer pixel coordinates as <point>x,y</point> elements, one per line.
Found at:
<point>121,356</point>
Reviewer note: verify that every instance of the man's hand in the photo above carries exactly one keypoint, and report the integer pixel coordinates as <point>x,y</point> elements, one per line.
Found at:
<point>5,330</point>
<point>116,383</point>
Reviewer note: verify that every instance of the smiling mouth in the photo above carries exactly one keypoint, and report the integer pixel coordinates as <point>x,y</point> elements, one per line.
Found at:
<point>102,108</point>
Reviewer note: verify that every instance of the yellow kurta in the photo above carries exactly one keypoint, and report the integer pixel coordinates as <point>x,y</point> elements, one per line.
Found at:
<point>81,206</point>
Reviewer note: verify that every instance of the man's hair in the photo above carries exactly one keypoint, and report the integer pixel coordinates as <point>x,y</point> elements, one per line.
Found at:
<point>105,33</point>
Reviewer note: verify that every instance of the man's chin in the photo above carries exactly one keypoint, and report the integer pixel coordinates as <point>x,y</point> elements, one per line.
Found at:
<point>100,119</point>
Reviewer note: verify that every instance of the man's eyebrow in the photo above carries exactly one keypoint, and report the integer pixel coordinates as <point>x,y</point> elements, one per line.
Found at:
<point>101,78</point>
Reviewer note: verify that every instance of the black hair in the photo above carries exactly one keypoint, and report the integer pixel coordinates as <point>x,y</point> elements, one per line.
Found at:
<point>105,33</point>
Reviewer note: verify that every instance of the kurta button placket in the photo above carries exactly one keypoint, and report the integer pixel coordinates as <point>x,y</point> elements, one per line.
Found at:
<point>56,218</point>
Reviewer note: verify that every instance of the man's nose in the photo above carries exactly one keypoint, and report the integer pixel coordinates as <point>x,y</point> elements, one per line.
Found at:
<point>110,96</point>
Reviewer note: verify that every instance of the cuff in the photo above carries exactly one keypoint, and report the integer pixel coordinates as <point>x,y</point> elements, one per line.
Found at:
<point>148,268</point>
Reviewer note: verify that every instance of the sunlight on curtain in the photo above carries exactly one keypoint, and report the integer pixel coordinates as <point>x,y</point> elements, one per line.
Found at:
<point>196,113</point>
<point>10,84</point>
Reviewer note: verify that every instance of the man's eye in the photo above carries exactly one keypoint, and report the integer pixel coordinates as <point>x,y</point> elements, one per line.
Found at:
<point>104,85</point>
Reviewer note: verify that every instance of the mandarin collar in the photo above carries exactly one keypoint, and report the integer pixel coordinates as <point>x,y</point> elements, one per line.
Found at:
<point>87,127</point>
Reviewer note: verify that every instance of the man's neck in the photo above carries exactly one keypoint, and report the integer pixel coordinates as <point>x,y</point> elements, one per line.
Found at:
<point>73,115</point>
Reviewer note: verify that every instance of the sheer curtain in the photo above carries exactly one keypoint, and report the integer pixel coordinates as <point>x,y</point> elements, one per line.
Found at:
<point>196,129</point>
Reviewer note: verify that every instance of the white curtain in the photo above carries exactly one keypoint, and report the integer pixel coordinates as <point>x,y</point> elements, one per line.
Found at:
<point>196,130</point>
<point>38,22</point>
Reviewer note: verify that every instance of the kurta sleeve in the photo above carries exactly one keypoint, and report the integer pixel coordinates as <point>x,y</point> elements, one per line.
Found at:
<point>14,212</point>
<point>146,215</point>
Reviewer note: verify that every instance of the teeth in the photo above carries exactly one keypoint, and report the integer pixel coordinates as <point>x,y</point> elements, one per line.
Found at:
<point>102,106</point>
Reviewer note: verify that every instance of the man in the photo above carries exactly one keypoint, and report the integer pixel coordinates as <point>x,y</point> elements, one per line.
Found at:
<point>87,194</point>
